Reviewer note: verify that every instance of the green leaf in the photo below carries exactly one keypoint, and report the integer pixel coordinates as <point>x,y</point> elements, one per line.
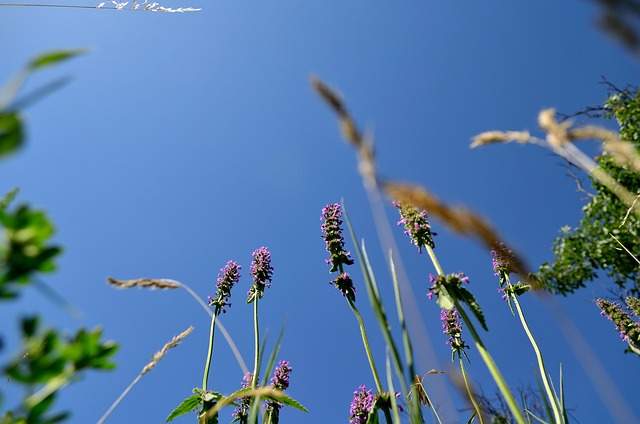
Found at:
<point>8,198</point>
<point>286,400</point>
<point>11,133</point>
<point>465,296</point>
<point>54,57</point>
<point>188,405</point>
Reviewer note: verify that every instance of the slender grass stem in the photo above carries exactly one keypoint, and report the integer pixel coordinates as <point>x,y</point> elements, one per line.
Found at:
<point>367,348</point>
<point>207,365</point>
<point>469,392</point>
<point>225,333</point>
<point>117,401</point>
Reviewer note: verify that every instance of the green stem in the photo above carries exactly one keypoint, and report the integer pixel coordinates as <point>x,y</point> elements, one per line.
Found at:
<point>367,348</point>
<point>491,365</point>
<point>207,365</point>
<point>486,357</point>
<point>543,372</point>
<point>434,260</point>
<point>471,397</point>
<point>254,379</point>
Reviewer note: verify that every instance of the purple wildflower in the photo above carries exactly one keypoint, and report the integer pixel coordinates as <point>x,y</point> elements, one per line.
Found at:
<point>628,328</point>
<point>333,237</point>
<point>279,381</point>
<point>361,406</point>
<point>241,413</point>
<point>344,283</point>
<point>416,225</point>
<point>452,327</point>
<point>261,271</point>
<point>335,246</point>
<point>502,258</point>
<point>229,275</point>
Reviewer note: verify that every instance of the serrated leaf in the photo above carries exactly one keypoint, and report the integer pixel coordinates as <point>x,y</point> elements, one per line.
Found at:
<point>466,296</point>
<point>11,134</point>
<point>188,405</point>
<point>286,400</point>
<point>54,57</point>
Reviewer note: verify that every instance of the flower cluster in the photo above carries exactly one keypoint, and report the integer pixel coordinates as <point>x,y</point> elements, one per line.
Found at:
<point>241,413</point>
<point>450,280</point>
<point>261,271</point>
<point>279,381</point>
<point>416,225</point>
<point>333,237</point>
<point>332,234</point>
<point>229,275</point>
<point>628,328</point>
<point>452,327</point>
<point>361,406</point>
<point>502,258</point>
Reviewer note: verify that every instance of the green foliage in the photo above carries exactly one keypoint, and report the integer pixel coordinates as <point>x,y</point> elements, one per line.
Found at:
<point>190,404</point>
<point>26,249</point>
<point>46,361</point>
<point>589,251</point>
<point>11,133</point>
<point>53,58</point>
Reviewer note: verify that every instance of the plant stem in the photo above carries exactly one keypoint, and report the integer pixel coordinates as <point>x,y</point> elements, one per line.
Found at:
<point>486,357</point>
<point>367,348</point>
<point>543,372</point>
<point>254,379</point>
<point>434,260</point>
<point>491,365</point>
<point>207,365</point>
<point>471,397</point>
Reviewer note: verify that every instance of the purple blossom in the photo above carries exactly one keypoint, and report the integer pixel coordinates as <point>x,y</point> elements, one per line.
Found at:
<point>344,283</point>
<point>416,225</point>
<point>361,406</point>
<point>452,327</point>
<point>629,329</point>
<point>502,259</point>
<point>279,381</point>
<point>332,234</point>
<point>228,276</point>
<point>241,413</point>
<point>261,271</point>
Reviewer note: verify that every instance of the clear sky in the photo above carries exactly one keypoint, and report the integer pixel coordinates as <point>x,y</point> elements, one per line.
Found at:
<point>186,140</point>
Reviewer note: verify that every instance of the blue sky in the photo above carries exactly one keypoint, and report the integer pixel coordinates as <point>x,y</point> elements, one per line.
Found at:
<point>186,140</point>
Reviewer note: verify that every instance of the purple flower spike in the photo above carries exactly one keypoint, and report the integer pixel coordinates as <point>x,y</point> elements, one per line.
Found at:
<point>229,275</point>
<point>416,225</point>
<point>629,329</point>
<point>502,258</point>
<point>361,406</point>
<point>279,381</point>
<point>344,283</point>
<point>453,328</point>
<point>241,413</point>
<point>335,246</point>
<point>333,237</point>
<point>261,271</point>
